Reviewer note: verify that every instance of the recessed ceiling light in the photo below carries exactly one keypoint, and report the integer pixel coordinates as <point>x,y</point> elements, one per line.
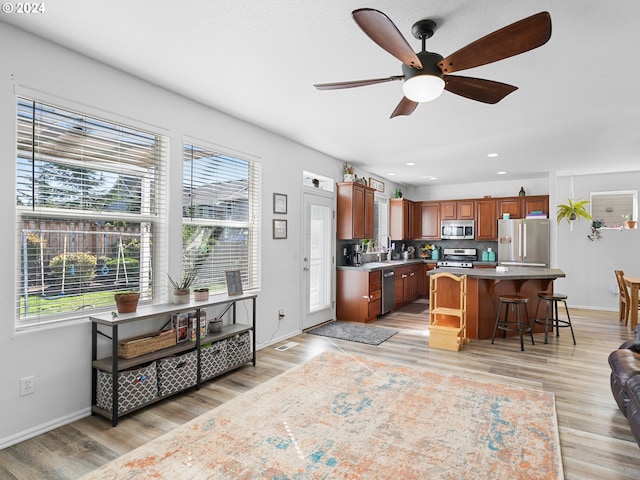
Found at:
<point>491,155</point>
<point>410,164</point>
<point>391,174</point>
<point>429,177</point>
<point>502,173</point>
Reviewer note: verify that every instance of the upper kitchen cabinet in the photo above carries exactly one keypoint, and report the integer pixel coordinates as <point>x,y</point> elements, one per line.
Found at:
<point>457,210</point>
<point>486,219</point>
<point>535,203</point>
<point>401,219</point>
<point>355,211</point>
<point>427,221</point>
<point>519,207</point>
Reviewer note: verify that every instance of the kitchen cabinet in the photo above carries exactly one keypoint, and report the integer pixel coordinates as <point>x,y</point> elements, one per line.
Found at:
<point>358,295</point>
<point>113,370</point>
<point>535,203</point>
<point>424,278</point>
<point>510,205</point>
<point>519,207</point>
<point>427,221</point>
<point>457,210</point>
<point>486,220</point>
<point>355,211</point>
<point>407,284</point>
<point>401,219</point>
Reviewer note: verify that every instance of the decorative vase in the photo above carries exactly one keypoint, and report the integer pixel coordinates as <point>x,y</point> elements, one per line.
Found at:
<point>201,294</point>
<point>215,325</point>
<point>349,177</point>
<point>127,302</point>
<point>181,296</point>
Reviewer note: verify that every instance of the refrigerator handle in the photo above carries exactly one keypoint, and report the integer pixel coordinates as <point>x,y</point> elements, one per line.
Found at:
<point>524,240</point>
<point>519,240</point>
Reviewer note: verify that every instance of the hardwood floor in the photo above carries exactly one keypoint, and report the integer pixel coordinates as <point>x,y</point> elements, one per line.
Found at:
<point>595,439</point>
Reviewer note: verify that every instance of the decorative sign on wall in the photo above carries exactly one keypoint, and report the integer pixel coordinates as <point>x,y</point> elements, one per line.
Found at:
<point>377,184</point>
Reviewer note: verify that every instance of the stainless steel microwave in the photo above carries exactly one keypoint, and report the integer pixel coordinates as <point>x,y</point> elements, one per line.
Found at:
<point>457,229</point>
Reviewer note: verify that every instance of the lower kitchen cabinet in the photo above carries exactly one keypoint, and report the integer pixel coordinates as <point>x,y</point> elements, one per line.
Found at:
<point>407,284</point>
<point>358,295</point>
<point>424,278</point>
<point>123,385</point>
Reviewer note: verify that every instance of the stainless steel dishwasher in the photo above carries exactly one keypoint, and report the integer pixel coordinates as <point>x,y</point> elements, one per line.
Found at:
<point>388,290</point>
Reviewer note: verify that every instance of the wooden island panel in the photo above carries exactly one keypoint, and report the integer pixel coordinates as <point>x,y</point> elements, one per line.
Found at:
<point>484,288</point>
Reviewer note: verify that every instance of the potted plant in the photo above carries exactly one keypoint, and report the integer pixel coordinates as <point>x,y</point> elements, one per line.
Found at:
<point>573,210</point>
<point>200,294</point>
<point>182,288</point>
<point>127,302</point>
<point>629,222</point>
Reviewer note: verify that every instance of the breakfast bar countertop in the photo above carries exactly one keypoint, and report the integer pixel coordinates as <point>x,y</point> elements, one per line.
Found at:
<point>513,273</point>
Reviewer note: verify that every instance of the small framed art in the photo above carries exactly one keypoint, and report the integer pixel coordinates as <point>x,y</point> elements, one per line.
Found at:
<point>234,282</point>
<point>279,203</point>
<point>377,184</point>
<point>279,229</point>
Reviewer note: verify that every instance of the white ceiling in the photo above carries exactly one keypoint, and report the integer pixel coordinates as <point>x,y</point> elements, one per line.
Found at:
<point>577,109</point>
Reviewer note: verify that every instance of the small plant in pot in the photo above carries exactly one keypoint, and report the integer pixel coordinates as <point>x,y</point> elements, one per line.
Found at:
<point>182,288</point>
<point>200,294</point>
<point>629,222</point>
<point>127,302</point>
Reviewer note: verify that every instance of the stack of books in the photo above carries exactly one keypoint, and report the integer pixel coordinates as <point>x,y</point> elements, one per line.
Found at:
<point>536,214</point>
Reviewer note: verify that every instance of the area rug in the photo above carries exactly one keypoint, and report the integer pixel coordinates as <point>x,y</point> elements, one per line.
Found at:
<point>354,332</point>
<point>343,417</point>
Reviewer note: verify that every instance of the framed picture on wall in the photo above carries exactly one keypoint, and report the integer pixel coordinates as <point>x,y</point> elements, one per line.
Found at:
<point>279,203</point>
<point>279,229</point>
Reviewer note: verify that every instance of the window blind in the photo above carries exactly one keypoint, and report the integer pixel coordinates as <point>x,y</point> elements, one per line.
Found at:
<point>220,217</point>
<point>90,202</point>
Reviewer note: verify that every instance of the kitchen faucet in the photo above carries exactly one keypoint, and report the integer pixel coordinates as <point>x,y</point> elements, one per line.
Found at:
<point>387,246</point>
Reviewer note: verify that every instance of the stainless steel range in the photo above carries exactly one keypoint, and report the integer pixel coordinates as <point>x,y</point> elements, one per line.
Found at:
<point>458,258</point>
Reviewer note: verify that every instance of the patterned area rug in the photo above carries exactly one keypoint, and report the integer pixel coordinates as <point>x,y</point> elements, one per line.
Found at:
<point>354,332</point>
<point>338,416</point>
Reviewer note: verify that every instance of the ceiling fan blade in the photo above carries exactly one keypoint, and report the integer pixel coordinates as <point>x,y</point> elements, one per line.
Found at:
<point>383,31</point>
<point>405,107</point>
<point>486,91</point>
<point>356,83</point>
<point>519,37</point>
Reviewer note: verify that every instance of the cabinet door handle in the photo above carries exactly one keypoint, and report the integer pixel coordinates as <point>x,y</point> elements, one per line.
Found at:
<point>412,275</point>
<point>367,298</point>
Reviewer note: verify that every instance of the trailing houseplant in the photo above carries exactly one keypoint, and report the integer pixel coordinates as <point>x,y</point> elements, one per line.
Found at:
<point>573,210</point>
<point>182,287</point>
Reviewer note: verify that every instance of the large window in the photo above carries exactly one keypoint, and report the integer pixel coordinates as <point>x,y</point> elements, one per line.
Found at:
<point>220,217</point>
<point>89,205</point>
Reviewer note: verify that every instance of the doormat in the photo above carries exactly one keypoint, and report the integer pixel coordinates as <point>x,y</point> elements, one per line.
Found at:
<point>354,332</point>
<point>340,416</point>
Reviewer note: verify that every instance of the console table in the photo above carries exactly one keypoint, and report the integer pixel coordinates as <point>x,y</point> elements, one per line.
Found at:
<point>114,365</point>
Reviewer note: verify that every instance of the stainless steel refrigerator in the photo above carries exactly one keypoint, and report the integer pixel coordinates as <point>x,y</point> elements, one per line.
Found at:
<point>524,242</point>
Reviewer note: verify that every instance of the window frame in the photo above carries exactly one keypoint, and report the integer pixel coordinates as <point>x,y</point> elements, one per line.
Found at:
<point>155,218</point>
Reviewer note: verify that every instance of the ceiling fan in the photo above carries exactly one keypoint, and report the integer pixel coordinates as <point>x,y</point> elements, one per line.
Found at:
<point>427,74</point>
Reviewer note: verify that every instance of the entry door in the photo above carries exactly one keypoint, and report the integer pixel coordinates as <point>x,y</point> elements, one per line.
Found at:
<point>318,259</point>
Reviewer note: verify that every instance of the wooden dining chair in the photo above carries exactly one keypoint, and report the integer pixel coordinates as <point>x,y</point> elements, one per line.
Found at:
<point>624,297</point>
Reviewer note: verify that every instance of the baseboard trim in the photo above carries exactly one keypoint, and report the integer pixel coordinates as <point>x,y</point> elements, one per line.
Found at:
<point>43,428</point>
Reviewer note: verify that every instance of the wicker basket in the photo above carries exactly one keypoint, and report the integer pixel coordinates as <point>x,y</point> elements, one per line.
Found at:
<point>136,346</point>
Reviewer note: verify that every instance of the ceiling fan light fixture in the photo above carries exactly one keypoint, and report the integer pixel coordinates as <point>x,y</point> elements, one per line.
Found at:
<point>423,88</point>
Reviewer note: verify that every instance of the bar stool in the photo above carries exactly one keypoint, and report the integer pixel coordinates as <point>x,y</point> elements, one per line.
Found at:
<point>551,304</point>
<point>517,303</point>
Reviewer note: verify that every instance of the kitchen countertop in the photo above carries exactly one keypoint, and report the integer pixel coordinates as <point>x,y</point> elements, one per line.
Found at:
<point>372,266</point>
<point>513,273</point>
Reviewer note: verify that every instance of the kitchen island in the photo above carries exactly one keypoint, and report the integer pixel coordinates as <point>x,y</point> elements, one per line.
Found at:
<point>485,286</point>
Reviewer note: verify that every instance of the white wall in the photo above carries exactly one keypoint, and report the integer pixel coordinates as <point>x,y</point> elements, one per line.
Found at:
<point>589,266</point>
<point>59,358</point>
